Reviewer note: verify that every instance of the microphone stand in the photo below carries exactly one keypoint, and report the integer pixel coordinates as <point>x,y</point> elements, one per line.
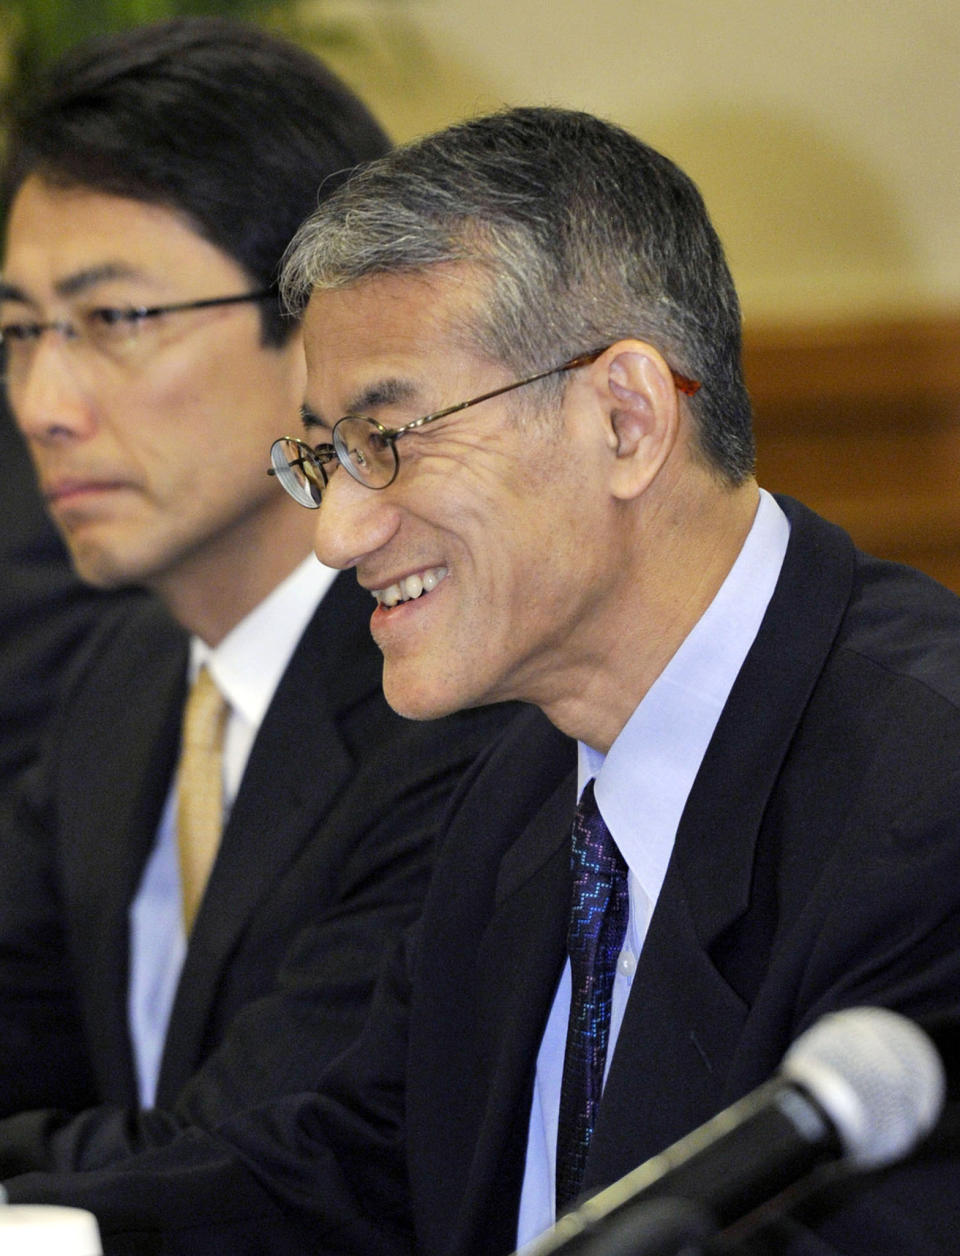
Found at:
<point>668,1226</point>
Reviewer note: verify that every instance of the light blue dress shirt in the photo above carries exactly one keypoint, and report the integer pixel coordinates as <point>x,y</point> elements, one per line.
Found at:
<point>247,666</point>
<point>641,788</point>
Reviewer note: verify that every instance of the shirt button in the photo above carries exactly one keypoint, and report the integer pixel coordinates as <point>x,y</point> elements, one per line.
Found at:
<point>627,964</point>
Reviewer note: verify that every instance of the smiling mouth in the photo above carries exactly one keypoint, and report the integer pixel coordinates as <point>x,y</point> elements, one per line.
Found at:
<point>410,587</point>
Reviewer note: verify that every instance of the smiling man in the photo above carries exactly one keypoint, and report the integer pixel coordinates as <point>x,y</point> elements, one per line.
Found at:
<point>528,436</point>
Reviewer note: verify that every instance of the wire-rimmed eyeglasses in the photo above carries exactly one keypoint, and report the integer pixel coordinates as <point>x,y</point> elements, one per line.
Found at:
<point>114,332</point>
<point>368,449</point>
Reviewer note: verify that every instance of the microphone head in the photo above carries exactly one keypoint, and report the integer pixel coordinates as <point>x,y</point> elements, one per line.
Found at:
<point>876,1075</point>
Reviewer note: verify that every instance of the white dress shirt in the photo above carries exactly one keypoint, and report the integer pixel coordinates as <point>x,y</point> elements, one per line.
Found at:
<point>641,789</point>
<point>247,666</point>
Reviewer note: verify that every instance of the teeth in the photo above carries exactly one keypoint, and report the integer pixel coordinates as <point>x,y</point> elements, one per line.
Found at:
<point>410,587</point>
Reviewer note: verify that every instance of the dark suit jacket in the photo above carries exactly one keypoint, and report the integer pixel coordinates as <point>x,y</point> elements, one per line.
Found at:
<point>325,856</point>
<point>817,865</point>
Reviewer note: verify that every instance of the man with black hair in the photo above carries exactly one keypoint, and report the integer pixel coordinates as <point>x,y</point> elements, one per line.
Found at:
<point>176,877</point>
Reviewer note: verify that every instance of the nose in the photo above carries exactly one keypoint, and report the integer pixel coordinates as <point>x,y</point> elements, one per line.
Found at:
<point>49,399</point>
<point>353,521</point>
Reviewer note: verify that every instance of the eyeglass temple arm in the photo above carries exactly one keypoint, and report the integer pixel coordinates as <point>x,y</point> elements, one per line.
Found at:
<point>683,383</point>
<point>582,360</point>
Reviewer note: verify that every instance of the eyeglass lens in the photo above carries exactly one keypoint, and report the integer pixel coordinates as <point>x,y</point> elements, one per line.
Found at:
<point>299,470</point>
<point>369,455</point>
<point>359,445</point>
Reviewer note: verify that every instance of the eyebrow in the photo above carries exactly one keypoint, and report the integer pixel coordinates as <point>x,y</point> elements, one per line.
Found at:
<point>385,392</point>
<point>10,292</point>
<point>310,418</point>
<point>75,284</point>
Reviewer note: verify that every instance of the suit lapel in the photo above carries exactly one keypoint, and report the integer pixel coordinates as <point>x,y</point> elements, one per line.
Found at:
<point>121,776</point>
<point>717,837</point>
<point>521,956</point>
<point>684,1019</point>
<point>298,765</point>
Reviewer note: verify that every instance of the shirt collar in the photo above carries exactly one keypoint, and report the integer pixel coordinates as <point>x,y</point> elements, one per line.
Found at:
<point>643,783</point>
<point>249,661</point>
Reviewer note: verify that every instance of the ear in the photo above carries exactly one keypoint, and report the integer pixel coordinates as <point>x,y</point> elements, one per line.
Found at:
<point>640,402</point>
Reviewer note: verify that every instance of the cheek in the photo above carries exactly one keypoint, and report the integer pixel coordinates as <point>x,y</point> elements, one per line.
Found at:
<point>547,560</point>
<point>223,409</point>
<point>172,401</point>
<point>520,567</point>
<point>502,509</point>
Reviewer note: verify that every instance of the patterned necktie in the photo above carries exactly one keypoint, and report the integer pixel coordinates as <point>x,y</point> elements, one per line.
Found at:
<point>200,790</point>
<point>598,923</point>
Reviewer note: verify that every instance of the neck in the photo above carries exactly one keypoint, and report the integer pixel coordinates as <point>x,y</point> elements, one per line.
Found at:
<point>681,556</point>
<point>217,587</point>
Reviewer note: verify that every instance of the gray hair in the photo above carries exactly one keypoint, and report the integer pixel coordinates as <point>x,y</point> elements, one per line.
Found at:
<point>586,234</point>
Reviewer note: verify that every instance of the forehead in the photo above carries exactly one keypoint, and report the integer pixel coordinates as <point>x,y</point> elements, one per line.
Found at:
<point>55,234</point>
<point>390,326</point>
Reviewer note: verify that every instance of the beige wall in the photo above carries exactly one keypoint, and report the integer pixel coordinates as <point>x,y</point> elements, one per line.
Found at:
<point>825,134</point>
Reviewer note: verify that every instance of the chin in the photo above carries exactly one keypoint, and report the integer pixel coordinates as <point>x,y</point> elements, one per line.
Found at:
<point>420,701</point>
<point>417,708</point>
<point>102,569</point>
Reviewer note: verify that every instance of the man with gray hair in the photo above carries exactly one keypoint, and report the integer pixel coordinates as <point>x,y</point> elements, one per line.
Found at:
<point>528,326</point>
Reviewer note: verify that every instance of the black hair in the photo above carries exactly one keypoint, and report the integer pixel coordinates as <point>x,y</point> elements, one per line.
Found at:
<point>236,129</point>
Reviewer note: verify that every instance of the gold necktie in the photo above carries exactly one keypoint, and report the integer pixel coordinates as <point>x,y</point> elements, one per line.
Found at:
<point>200,790</point>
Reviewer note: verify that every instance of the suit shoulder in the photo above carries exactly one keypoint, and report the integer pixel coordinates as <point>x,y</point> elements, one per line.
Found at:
<point>906,624</point>
<point>136,644</point>
<point>891,620</point>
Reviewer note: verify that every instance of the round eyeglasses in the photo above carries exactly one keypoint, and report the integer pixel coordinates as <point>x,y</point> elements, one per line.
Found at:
<point>368,449</point>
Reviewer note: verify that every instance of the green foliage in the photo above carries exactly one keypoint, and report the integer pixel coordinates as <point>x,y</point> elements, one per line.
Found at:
<point>35,32</point>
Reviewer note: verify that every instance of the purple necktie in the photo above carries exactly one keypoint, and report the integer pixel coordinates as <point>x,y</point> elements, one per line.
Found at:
<point>598,923</point>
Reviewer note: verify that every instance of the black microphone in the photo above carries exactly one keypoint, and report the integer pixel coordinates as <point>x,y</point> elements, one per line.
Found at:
<point>861,1087</point>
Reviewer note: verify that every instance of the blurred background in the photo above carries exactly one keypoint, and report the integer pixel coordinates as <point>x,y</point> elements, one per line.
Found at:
<point>826,140</point>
